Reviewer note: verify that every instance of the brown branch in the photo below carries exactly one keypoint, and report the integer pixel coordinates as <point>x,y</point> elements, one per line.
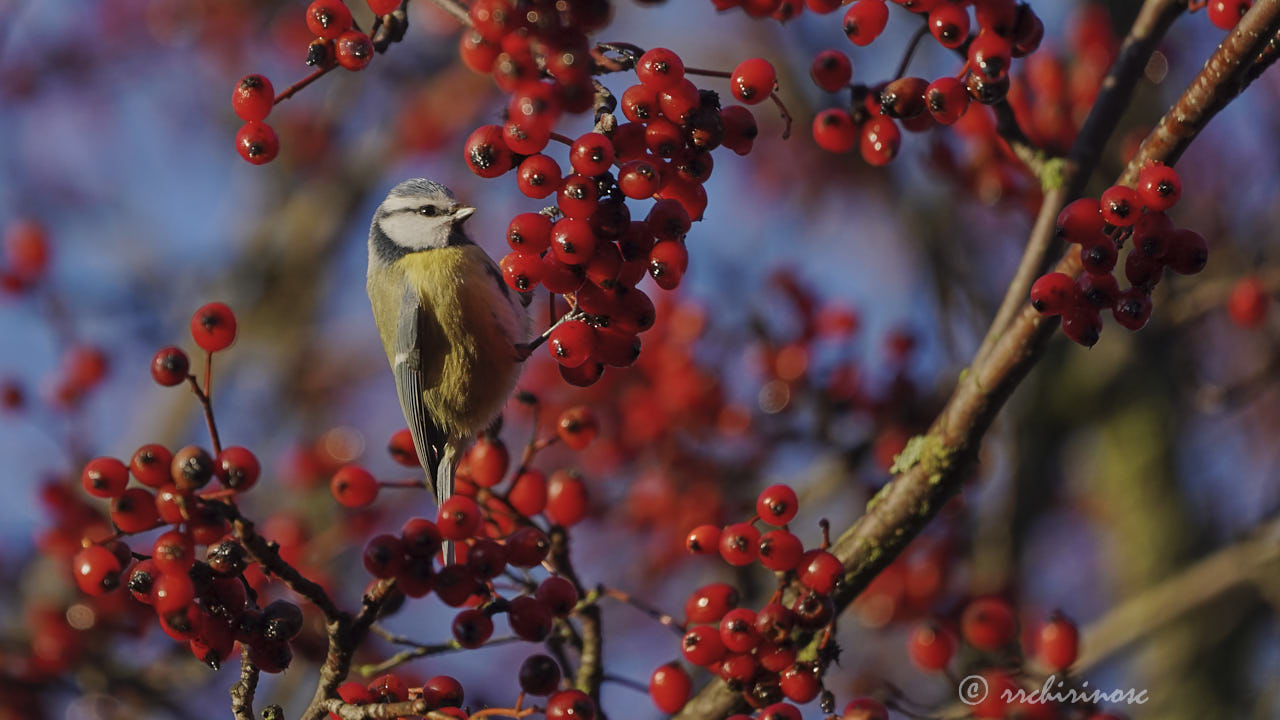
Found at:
<point>345,635</point>
<point>378,711</point>
<point>267,554</point>
<point>206,402</point>
<point>242,692</point>
<point>933,467</point>
<point>590,666</point>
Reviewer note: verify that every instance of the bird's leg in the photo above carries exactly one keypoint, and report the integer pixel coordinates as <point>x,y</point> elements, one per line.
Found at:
<point>444,489</point>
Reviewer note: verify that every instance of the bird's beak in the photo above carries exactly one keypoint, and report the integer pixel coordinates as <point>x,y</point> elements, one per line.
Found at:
<point>463,212</point>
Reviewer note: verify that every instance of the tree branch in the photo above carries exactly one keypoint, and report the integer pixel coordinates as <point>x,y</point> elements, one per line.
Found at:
<point>455,9</point>
<point>268,556</point>
<point>242,692</point>
<point>345,635</point>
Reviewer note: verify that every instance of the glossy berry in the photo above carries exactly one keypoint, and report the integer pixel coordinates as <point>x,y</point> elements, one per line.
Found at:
<point>1051,294</point>
<point>459,518</point>
<point>571,342</point>
<point>1188,253</point>
<point>781,711</point>
<point>539,675</point>
<point>831,70</point>
<point>442,691</point>
<point>703,540</point>
<point>353,50</point>
<point>739,544</point>
<point>1099,256</point>
<point>1081,221</point>
<point>949,24</point>
<point>134,511</point>
<point>1225,14</point>
<point>527,547</point>
<point>97,570</point>
<point>780,551</point>
<point>472,628</point>
<point>1099,291</point>
<point>988,623</point>
<point>639,179</point>
<point>328,18</point>
<point>752,81</point>
<point>577,197</point>
<point>213,327</point>
<point>660,68</point>
<point>819,571</point>
<point>538,176</point>
<point>237,468</point>
<point>946,99</point>
<point>1121,206</point>
<point>865,20</point>
<point>1058,642</point>
<point>577,427</point>
<point>777,505</point>
<point>486,152</point>
<point>1132,308</point>
<point>567,498</point>
<point>257,142</point>
<point>173,552</point>
<point>170,366</point>
<point>253,98</point>
<point>709,603</point>
<point>669,687</point>
<point>1083,325</point>
<point>1248,303</point>
<point>383,556</point>
<point>740,129</point>
<point>702,645</point>
<point>591,154</point>
<point>570,705</point>
<point>930,647</point>
<point>530,619</point>
<point>990,55</point>
<point>1159,186</point>
<point>353,486</point>
<point>881,139</point>
<point>383,7</point>
<point>558,594</point>
<point>191,468</point>
<point>104,477</point>
<point>738,630</point>
<point>801,683</point>
<point>835,131</point>
<point>171,592</point>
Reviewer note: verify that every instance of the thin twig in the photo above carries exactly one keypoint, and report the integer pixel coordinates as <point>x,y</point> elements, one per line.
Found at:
<point>267,554</point>
<point>456,9</point>
<point>418,650</point>
<point>643,607</point>
<point>242,692</point>
<point>206,402</point>
<point>910,52</point>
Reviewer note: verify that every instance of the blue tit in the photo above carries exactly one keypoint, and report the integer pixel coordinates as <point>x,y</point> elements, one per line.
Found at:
<point>452,328</point>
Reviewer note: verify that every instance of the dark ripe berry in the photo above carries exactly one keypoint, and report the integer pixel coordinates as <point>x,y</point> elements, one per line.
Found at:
<point>353,50</point>
<point>1188,253</point>
<point>257,142</point>
<point>237,468</point>
<point>801,683</point>
<point>930,647</point>
<point>328,18</point>
<point>191,468</point>
<point>558,594</point>
<point>527,547</point>
<point>442,691</point>
<point>1142,271</point>
<point>539,675</point>
<point>170,366</point>
<point>253,98</point>
<point>1121,206</point>
<point>947,100</point>
<point>530,619</point>
<point>1028,31</point>
<point>493,19</point>
<point>986,90</point>
<point>487,559</point>
<point>174,552</point>
<point>693,167</point>
<point>97,570</point>
<point>831,70</point>
<point>753,80</point>
<point>639,179</point>
<point>813,610</point>
<point>702,645</point>
<point>567,499</point>
<point>1051,294</point>
<point>1132,309</point>
<point>679,102</point>
<point>528,493</point>
<point>571,342</point>
<point>454,584</point>
<point>904,98</point>
<point>459,518</point>
<point>417,577</point>
<point>1153,234</point>
<point>1082,324</point>
<point>1226,13</point>
<point>227,558</point>
<point>522,270</point>
<point>660,68</point>
<point>1248,303</point>
<point>738,630</point>
<point>486,152</point>
<point>949,24</point>
<point>669,687</point>
<point>690,195</point>
<point>271,657</point>
<point>1058,642</point>
<point>709,603</point>
<point>1159,186</point>
<point>1099,291</point>
<point>104,477</point>
<point>777,505</point>
<point>1081,221</point>
<point>213,327</point>
<point>320,54</point>
<point>529,232</point>
<point>865,20</point>
<point>988,623</point>
<point>573,241</point>
<point>353,486</point>
<point>835,131</point>
<point>383,556</point>
<point>739,544</point>
<point>880,141</point>
<point>134,511</point>
<point>472,628</point>
<point>740,129</point>
<point>864,709</point>
<point>703,540</point>
<point>577,197</point>
<point>819,571</point>
<point>668,220</point>
<point>419,537</point>
<point>281,620</point>
<point>764,692</point>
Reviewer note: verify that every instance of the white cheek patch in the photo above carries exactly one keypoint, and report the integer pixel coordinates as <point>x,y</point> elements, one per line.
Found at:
<point>415,231</point>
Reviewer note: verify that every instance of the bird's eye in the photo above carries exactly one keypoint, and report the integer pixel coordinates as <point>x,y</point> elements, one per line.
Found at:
<point>428,211</point>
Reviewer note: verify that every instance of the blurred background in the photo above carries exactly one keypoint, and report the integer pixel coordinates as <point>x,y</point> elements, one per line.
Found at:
<point>827,311</point>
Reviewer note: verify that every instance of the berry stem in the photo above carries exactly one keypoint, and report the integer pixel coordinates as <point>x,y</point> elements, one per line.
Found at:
<point>416,650</point>
<point>294,88</point>
<point>782,107</point>
<point>910,52</point>
<point>455,10</point>
<point>656,614</point>
<point>243,691</point>
<point>207,403</point>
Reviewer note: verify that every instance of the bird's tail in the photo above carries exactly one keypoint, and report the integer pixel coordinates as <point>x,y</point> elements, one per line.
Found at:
<point>444,488</point>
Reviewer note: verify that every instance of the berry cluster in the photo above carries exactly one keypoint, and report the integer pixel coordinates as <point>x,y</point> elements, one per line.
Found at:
<point>1101,227</point>
<point>1002,30</point>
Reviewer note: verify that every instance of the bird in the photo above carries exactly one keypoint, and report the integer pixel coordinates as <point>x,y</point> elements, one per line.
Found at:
<point>454,332</point>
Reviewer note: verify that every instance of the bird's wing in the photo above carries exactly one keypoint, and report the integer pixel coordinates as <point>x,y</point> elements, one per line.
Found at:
<point>428,439</point>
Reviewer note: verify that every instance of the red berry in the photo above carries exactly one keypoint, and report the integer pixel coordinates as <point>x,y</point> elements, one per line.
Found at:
<point>383,7</point>
<point>1121,205</point>
<point>880,141</point>
<point>1132,308</point>
<point>752,81</point>
<point>831,70</point>
<point>257,143</point>
<point>170,367</point>
<point>864,709</point>
<point>354,487</point>
<point>459,518</point>
<point>949,24</point>
<point>527,547</point>
<point>237,468</point>
<point>865,20</point>
<point>740,129</point>
<point>678,102</point>
<point>1058,642</point>
<point>383,556</point>
<point>577,427</point>
<point>1081,221</point>
<point>669,687</point>
<point>660,68</point>
<point>591,154</point>
<point>488,459</point>
<point>738,630</point>
<point>528,493</point>
<point>739,544</point>
<point>530,619</point>
<point>1083,325</point>
<point>930,647</point>
<point>819,571</point>
<point>253,98</point>
<point>990,55</point>
<point>1099,291</point>
<point>570,705</point>
<point>577,197</point>
<point>104,477</point>
<point>702,645</point>
<point>538,176</point>
<point>529,232</point>
<point>947,99</point>
<point>780,711</point>
<point>780,551</point>
<point>1099,256</point>
<point>1248,303</point>
<point>1159,186</point>
<point>571,342</point>
<point>639,179</point>
<point>1226,13</point>
<point>835,131</point>
<point>709,603</point>
<point>1188,253</point>
<point>420,538</point>
<point>401,448</point>
<point>526,137</point>
<point>567,500</point>
<point>328,18</point>
<point>1141,270</point>
<point>1052,294</point>
<point>703,540</point>
<point>573,241</point>
<point>97,570</point>
<point>539,675</point>
<point>558,594</point>
<point>472,628</point>
<point>486,152</point>
<point>213,327</point>
<point>777,505</point>
<point>988,623</point>
<point>134,511</point>
<point>353,50</point>
<point>801,683</point>
<point>174,552</point>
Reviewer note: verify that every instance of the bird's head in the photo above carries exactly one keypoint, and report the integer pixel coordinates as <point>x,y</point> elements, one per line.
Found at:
<point>416,215</point>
